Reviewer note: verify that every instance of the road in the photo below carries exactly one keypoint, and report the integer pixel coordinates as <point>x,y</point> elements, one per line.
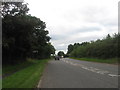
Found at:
<point>69,73</point>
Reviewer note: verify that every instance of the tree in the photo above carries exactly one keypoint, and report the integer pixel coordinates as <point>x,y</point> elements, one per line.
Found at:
<point>105,48</point>
<point>70,49</point>
<point>14,9</point>
<point>23,35</point>
<point>108,36</point>
<point>12,31</point>
<point>61,53</point>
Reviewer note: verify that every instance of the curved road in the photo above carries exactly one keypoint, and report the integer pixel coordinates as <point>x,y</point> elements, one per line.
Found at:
<point>69,73</point>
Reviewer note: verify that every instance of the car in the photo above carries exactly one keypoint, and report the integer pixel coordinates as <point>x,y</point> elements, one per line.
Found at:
<point>57,58</point>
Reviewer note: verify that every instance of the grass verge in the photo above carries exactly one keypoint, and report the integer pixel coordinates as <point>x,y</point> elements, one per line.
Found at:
<point>27,77</point>
<point>110,61</point>
<point>10,69</point>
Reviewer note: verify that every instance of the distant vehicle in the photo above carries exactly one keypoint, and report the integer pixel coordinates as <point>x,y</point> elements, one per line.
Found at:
<point>57,58</point>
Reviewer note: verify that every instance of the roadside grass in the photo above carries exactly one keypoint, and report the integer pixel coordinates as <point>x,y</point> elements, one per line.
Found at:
<point>27,77</point>
<point>10,69</point>
<point>109,61</point>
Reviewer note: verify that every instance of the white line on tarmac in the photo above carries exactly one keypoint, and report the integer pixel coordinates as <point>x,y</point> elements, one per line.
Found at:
<point>92,69</point>
<point>113,75</point>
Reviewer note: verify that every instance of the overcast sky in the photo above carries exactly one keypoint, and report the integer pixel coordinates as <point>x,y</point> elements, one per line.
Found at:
<point>76,21</point>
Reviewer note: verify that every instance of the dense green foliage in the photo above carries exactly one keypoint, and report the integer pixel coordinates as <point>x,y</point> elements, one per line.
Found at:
<point>27,77</point>
<point>105,48</point>
<point>61,53</point>
<point>23,35</point>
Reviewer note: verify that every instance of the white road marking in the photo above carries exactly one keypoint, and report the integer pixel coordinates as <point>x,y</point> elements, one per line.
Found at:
<point>92,69</point>
<point>113,75</point>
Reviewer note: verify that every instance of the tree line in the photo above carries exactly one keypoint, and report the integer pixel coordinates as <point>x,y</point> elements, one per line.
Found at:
<point>105,48</point>
<point>23,35</point>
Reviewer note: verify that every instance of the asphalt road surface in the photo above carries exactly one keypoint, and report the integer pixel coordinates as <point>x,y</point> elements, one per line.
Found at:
<point>69,73</point>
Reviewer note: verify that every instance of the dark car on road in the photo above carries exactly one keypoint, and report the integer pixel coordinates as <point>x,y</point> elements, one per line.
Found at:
<point>57,58</point>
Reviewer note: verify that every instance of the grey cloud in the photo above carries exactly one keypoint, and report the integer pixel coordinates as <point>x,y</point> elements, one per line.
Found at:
<point>68,35</point>
<point>99,15</point>
<point>86,29</point>
<point>110,23</point>
<point>76,40</point>
<point>74,31</point>
<point>61,48</point>
<point>65,22</point>
<point>58,37</point>
<point>85,39</point>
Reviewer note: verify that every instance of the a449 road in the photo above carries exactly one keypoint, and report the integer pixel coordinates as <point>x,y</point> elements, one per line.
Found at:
<point>69,73</point>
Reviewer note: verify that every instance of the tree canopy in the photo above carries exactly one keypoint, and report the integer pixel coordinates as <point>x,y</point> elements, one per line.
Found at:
<point>23,35</point>
<point>61,53</point>
<point>105,48</point>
